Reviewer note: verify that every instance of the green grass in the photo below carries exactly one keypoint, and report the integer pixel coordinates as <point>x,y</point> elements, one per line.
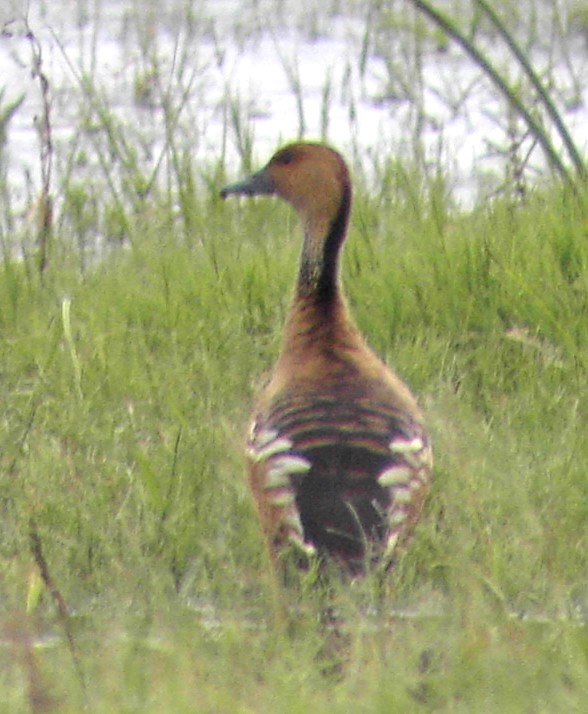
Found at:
<point>125,390</point>
<point>127,373</point>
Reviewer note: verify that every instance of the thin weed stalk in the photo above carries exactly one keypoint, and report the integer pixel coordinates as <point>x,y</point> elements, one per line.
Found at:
<point>292,72</point>
<point>7,112</point>
<point>242,131</point>
<point>36,546</point>
<point>326,107</point>
<point>69,339</point>
<point>172,111</point>
<point>44,208</point>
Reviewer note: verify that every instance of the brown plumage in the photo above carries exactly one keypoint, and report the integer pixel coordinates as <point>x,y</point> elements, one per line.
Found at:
<point>339,459</point>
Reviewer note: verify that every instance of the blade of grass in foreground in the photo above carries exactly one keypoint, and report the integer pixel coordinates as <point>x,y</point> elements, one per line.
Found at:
<point>539,87</point>
<point>537,131</point>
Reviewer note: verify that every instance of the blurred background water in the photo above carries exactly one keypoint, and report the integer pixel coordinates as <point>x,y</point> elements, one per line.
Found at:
<point>231,80</point>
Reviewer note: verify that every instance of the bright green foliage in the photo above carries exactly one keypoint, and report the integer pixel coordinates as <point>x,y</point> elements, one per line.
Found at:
<point>126,386</point>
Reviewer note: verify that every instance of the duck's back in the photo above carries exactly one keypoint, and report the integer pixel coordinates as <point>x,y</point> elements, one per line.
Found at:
<point>339,462</point>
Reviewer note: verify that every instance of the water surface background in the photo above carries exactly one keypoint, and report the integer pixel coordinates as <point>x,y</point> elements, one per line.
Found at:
<point>225,82</point>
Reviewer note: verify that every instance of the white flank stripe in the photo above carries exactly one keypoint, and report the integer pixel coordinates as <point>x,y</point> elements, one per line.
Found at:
<point>402,446</point>
<point>402,496</point>
<point>394,476</point>
<point>282,498</point>
<point>397,518</point>
<point>264,436</point>
<point>289,465</point>
<point>292,520</point>
<point>273,447</point>
<point>391,544</point>
<point>307,548</point>
<point>277,479</point>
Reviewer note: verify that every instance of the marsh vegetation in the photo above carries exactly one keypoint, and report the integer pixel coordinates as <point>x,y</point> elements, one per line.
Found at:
<point>138,314</point>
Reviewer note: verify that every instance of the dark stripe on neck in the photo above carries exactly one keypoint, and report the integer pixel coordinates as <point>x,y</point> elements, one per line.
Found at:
<point>321,281</point>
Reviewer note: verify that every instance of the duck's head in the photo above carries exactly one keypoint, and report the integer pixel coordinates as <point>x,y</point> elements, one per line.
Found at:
<point>312,177</point>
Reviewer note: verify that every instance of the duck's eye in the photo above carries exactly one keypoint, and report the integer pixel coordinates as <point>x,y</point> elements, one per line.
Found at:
<point>285,158</point>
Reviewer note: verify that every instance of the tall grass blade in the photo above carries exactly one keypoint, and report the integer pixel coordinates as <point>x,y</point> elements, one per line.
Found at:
<point>66,320</point>
<point>539,88</point>
<point>448,26</point>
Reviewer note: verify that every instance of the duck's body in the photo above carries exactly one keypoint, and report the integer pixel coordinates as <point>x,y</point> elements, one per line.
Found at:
<point>339,460</point>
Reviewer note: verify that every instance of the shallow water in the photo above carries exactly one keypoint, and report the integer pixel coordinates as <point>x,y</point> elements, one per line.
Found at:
<point>276,69</point>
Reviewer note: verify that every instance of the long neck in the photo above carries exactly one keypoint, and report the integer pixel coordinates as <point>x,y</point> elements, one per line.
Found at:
<point>318,277</point>
<point>318,315</point>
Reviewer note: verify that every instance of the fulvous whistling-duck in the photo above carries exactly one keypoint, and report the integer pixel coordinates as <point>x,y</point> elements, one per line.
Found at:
<point>339,460</point>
